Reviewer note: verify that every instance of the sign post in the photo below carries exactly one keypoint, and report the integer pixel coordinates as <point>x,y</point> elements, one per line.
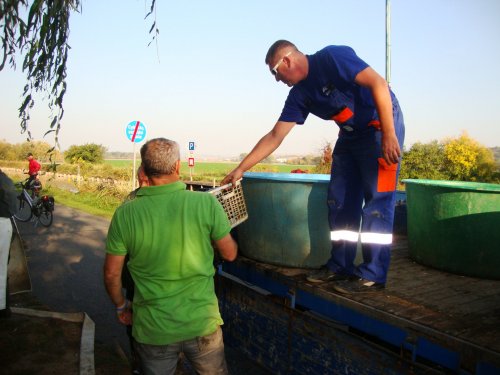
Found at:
<point>136,132</point>
<point>191,160</point>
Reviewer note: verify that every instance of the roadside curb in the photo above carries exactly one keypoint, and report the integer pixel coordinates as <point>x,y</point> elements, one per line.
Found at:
<point>87,337</point>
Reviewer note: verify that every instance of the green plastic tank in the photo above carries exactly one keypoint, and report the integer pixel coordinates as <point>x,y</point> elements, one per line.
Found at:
<point>455,226</point>
<point>287,219</point>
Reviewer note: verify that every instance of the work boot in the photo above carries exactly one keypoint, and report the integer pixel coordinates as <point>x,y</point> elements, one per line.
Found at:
<point>323,275</point>
<point>355,286</point>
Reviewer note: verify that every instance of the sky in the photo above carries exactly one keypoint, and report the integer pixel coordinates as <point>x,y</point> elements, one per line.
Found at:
<point>204,79</point>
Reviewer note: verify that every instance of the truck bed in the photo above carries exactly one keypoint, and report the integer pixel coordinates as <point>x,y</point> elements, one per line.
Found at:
<point>458,314</point>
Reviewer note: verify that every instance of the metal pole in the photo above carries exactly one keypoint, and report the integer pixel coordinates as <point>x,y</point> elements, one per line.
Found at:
<point>388,41</point>
<point>133,172</point>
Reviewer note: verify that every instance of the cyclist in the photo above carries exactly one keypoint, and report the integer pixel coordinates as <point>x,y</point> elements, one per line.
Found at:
<point>33,169</point>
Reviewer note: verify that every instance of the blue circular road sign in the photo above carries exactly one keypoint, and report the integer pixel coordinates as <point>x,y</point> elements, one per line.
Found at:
<point>136,131</point>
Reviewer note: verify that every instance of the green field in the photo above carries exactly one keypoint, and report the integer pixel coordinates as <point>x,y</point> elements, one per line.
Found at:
<point>217,169</point>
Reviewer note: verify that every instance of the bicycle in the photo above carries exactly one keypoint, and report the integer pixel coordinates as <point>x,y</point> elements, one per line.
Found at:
<point>32,204</point>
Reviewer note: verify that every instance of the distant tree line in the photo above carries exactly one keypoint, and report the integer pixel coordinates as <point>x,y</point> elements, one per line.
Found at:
<point>119,155</point>
<point>17,152</point>
<point>496,153</point>
<point>296,160</point>
<point>458,159</point>
<point>42,151</point>
<point>453,159</point>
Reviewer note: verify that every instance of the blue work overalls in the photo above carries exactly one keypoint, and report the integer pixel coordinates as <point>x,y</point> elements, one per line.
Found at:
<point>362,194</point>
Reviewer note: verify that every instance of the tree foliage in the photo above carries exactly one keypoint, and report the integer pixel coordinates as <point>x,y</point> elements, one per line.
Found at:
<point>88,153</point>
<point>7,151</point>
<point>424,161</point>
<point>461,159</point>
<point>324,163</point>
<point>17,152</point>
<point>467,160</point>
<point>487,169</point>
<point>456,159</point>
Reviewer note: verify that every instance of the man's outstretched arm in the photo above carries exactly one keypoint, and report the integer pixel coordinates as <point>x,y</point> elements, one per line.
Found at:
<point>265,147</point>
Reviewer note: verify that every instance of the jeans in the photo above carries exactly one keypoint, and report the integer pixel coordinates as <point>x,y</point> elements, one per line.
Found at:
<point>206,355</point>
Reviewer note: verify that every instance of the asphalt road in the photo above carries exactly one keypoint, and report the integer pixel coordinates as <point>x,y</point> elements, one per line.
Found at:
<point>65,263</point>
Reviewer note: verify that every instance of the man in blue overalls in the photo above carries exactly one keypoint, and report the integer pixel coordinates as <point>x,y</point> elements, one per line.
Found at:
<point>335,84</point>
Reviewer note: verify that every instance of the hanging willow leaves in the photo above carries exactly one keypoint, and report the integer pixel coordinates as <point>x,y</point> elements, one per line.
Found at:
<point>153,26</point>
<point>43,41</point>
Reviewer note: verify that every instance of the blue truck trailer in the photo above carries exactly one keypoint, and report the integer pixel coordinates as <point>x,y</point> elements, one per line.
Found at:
<point>425,321</point>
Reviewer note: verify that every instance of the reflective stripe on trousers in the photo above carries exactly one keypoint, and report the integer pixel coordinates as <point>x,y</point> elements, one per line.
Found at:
<point>354,181</point>
<point>373,238</point>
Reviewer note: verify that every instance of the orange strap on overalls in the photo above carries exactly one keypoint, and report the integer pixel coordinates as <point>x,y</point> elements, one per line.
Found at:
<point>375,124</point>
<point>344,115</point>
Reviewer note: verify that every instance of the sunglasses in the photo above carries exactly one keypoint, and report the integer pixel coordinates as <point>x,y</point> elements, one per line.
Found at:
<point>274,70</point>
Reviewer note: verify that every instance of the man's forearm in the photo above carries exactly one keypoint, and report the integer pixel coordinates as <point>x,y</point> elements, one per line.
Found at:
<point>113,266</point>
<point>266,145</point>
<point>123,306</point>
<point>114,288</point>
<point>261,150</point>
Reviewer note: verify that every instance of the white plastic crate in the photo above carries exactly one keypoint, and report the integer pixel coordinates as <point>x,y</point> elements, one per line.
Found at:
<point>233,202</point>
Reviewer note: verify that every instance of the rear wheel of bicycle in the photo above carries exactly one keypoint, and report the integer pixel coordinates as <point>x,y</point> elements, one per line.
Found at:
<point>45,217</point>
<point>24,212</point>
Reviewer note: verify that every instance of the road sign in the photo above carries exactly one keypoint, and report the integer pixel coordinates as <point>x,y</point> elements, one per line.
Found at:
<point>191,146</point>
<point>136,131</point>
<point>191,162</point>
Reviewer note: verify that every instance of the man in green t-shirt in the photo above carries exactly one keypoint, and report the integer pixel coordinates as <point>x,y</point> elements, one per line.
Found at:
<point>168,233</point>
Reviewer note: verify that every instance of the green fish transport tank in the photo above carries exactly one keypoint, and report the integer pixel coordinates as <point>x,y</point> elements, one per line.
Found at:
<point>455,226</point>
<point>287,219</point>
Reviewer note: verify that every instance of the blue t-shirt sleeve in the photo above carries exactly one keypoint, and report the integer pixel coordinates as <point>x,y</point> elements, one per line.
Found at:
<point>295,109</point>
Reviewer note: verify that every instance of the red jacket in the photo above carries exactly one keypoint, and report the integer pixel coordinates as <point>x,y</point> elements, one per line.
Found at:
<point>34,167</point>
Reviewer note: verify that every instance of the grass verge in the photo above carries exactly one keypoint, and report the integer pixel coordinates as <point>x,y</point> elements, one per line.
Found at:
<point>88,201</point>
<point>85,201</point>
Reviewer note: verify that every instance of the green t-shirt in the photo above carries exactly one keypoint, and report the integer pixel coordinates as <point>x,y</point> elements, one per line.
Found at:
<point>167,232</point>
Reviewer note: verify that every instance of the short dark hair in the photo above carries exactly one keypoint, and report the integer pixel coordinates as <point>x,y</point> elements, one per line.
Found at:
<point>159,157</point>
<point>276,47</point>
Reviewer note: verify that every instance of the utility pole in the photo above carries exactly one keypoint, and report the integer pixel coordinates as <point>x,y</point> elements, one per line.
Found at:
<point>388,41</point>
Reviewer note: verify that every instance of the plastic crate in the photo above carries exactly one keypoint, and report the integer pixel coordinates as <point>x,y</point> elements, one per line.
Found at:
<point>233,202</point>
